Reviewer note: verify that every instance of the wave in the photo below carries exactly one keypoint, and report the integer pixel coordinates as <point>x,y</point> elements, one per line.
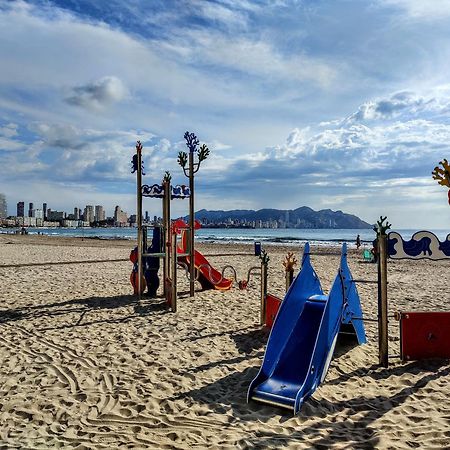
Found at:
<point>276,240</point>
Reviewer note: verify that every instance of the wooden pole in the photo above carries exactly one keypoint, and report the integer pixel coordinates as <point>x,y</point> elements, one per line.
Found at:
<point>139,215</point>
<point>289,278</point>
<point>382,301</point>
<point>167,234</point>
<point>191,225</point>
<point>263,291</point>
<point>174,272</point>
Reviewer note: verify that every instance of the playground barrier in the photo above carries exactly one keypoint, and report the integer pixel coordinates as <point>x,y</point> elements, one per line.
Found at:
<point>421,334</point>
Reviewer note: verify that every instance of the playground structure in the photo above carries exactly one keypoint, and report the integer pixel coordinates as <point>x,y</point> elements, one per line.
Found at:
<point>422,335</point>
<point>305,325</point>
<point>169,248</point>
<point>304,334</point>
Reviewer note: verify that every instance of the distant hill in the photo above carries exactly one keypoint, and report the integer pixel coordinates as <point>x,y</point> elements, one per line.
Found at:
<point>302,217</point>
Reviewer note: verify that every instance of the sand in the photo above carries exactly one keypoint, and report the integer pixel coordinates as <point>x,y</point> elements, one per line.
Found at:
<point>83,365</point>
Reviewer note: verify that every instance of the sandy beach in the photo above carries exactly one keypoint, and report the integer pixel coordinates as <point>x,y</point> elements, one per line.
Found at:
<point>85,366</point>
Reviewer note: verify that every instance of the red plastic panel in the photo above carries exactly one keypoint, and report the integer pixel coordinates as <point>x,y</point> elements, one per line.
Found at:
<point>272,305</point>
<point>425,335</point>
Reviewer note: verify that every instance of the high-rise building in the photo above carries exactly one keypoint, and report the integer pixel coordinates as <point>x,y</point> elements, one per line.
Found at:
<point>20,209</point>
<point>76,213</point>
<point>30,209</point>
<point>44,211</point>
<point>120,217</point>
<point>55,216</point>
<point>38,213</point>
<point>3,207</point>
<point>89,215</point>
<point>99,213</point>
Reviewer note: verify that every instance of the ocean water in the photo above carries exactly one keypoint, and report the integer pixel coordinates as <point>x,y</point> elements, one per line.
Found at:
<point>289,236</point>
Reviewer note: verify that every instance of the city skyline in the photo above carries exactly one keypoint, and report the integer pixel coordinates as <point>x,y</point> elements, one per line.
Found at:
<point>332,104</point>
<point>30,214</point>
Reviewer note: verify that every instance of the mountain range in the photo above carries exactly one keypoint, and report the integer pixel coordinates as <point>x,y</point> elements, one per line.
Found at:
<point>303,217</point>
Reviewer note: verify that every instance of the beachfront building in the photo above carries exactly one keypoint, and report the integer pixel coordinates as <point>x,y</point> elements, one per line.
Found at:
<point>120,217</point>
<point>100,214</point>
<point>44,211</point>
<point>89,215</point>
<point>3,207</point>
<point>55,216</point>
<point>71,223</point>
<point>20,209</point>
<point>30,209</point>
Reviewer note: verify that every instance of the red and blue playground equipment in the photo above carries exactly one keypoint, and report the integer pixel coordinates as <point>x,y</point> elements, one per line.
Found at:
<point>207,275</point>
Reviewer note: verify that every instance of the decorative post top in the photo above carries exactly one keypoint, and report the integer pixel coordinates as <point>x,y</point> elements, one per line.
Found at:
<point>167,177</point>
<point>135,159</point>
<point>381,226</point>
<point>191,141</point>
<point>289,262</point>
<point>442,176</point>
<point>202,153</point>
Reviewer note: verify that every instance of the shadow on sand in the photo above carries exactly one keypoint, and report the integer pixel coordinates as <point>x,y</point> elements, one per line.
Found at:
<point>83,306</point>
<point>353,429</point>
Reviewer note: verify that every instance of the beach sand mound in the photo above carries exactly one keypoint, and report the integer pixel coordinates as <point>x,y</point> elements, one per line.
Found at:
<point>84,365</point>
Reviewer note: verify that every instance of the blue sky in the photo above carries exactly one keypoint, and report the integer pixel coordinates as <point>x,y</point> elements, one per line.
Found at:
<point>329,104</point>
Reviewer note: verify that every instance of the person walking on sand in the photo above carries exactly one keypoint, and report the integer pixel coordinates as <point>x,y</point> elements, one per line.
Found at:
<point>358,242</point>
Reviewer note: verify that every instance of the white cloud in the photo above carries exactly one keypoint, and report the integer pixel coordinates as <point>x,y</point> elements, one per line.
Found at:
<point>98,94</point>
<point>254,57</point>
<point>422,9</point>
<point>9,130</point>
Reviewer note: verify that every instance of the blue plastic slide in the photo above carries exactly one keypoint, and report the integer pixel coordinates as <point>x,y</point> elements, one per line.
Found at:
<point>304,334</point>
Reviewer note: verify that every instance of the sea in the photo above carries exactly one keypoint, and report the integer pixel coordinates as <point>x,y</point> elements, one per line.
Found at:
<point>279,236</point>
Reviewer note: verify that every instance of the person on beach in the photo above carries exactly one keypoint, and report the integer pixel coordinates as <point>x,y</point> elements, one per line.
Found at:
<point>374,250</point>
<point>358,242</point>
<point>152,264</point>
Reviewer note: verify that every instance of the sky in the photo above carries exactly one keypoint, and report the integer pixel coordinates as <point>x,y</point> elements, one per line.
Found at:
<point>331,104</point>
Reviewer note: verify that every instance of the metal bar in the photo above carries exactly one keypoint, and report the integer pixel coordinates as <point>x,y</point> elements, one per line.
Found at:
<point>365,281</point>
<point>382,301</point>
<point>324,254</point>
<point>364,319</point>
<point>211,255</point>
<point>155,255</point>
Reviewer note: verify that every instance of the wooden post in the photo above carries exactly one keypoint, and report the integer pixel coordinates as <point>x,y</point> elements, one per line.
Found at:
<point>183,159</point>
<point>191,225</point>
<point>263,291</point>
<point>139,215</point>
<point>289,278</point>
<point>289,262</point>
<point>174,271</point>
<point>382,301</point>
<point>167,233</point>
